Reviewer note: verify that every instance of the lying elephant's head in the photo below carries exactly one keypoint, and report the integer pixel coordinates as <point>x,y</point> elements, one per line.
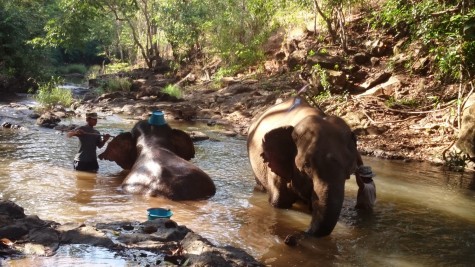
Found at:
<point>314,158</point>
<point>122,150</point>
<point>177,141</point>
<point>157,157</point>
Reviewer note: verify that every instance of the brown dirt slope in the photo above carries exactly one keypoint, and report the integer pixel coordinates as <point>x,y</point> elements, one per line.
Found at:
<point>398,112</point>
<point>389,95</point>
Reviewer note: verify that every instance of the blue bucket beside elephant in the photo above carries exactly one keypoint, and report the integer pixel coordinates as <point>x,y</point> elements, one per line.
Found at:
<point>157,118</point>
<point>159,213</point>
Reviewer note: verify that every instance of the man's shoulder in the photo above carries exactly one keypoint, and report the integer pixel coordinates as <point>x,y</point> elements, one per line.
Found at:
<point>88,129</point>
<point>370,186</point>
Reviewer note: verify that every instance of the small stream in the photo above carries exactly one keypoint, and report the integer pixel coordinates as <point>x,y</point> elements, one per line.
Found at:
<point>423,217</point>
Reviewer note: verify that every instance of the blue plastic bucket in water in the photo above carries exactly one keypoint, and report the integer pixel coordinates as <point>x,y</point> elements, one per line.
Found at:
<point>156,213</point>
<point>157,118</point>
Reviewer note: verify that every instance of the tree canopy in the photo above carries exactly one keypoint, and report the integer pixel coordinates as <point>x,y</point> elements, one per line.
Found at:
<point>37,36</point>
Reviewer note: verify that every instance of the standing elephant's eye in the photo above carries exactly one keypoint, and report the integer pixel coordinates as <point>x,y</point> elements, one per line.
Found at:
<point>306,166</point>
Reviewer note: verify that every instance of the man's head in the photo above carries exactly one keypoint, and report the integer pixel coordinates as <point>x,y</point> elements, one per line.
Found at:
<point>366,173</point>
<point>91,118</point>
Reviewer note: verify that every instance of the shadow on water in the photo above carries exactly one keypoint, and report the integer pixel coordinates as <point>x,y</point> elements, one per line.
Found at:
<point>423,216</point>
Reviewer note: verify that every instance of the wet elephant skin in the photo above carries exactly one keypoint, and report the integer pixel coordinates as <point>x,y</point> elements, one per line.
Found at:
<point>298,153</point>
<point>157,157</point>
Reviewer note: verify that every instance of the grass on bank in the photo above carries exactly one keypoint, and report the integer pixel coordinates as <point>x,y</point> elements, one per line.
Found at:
<point>113,68</point>
<point>72,69</point>
<point>173,90</point>
<point>49,94</point>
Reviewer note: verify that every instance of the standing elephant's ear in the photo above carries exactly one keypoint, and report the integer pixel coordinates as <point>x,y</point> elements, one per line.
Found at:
<point>279,151</point>
<point>182,144</point>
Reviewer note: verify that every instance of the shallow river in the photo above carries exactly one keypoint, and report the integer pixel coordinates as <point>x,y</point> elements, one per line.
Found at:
<point>423,216</point>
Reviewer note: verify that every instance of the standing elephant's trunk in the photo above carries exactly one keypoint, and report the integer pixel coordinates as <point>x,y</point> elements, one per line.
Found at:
<point>327,201</point>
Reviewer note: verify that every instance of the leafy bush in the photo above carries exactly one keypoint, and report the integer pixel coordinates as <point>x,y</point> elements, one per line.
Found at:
<point>173,90</point>
<point>73,68</point>
<point>117,67</point>
<point>96,70</point>
<point>320,76</point>
<point>50,94</point>
<point>236,30</point>
<point>117,84</point>
<point>322,97</point>
<point>76,68</point>
<point>225,71</point>
<point>93,72</point>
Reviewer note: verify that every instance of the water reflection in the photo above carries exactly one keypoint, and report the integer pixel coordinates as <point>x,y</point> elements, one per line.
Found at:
<point>73,255</point>
<point>423,216</point>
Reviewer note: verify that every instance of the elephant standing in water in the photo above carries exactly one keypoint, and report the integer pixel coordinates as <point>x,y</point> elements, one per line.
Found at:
<point>299,153</point>
<point>157,157</point>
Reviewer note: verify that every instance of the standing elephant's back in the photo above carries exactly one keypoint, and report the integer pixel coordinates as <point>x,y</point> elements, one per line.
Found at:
<point>289,112</point>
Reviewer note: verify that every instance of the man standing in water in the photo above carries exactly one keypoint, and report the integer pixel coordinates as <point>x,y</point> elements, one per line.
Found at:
<point>366,188</point>
<point>89,138</point>
<point>366,196</point>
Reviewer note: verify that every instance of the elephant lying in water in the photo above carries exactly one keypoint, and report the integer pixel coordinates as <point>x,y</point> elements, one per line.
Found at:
<point>157,157</point>
<point>299,153</point>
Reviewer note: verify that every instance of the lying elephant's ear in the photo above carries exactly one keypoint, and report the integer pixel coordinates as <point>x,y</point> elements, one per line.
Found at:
<point>279,151</point>
<point>182,144</point>
<point>122,150</point>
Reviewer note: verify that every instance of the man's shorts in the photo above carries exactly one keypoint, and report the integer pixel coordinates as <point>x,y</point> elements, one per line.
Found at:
<point>87,166</point>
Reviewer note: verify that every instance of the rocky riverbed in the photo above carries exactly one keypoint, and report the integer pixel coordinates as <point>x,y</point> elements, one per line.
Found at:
<point>158,242</point>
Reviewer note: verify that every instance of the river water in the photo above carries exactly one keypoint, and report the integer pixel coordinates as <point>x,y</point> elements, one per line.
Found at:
<point>423,216</point>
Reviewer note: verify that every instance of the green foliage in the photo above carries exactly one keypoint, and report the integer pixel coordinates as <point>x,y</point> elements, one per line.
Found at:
<point>392,102</point>
<point>291,13</point>
<point>72,69</point>
<point>226,71</point>
<point>73,24</point>
<point>93,72</point>
<point>320,76</point>
<point>116,84</point>
<point>442,28</point>
<point>322,97</point>
<point>173,90</point>
<point>237,29</point>
<point>19,22</point>
<point>468,49</point>
<point>117,67</point>
<point>96,70</point>
<point>50,94</point>
<point>182,22</point>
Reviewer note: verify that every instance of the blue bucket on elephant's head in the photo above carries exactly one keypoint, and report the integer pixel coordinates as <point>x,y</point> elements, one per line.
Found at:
<point>156,213</point>
<point>157,118</point>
